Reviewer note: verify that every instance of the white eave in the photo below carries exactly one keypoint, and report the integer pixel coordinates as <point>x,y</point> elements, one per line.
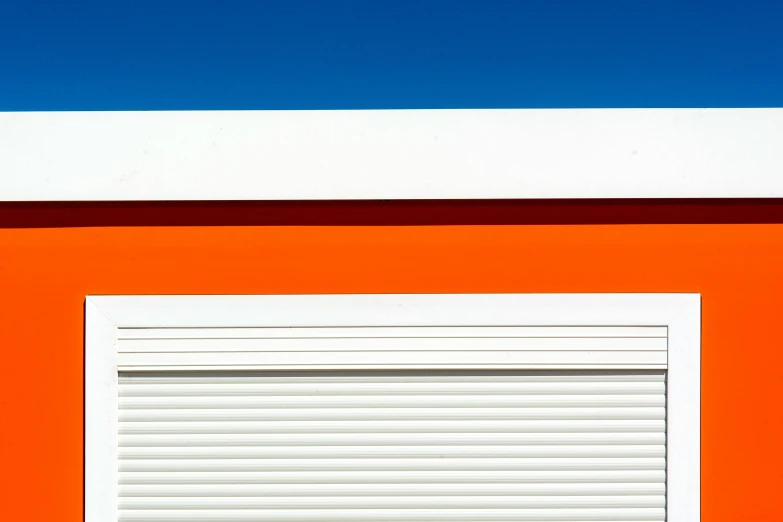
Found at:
<point>411,154</point>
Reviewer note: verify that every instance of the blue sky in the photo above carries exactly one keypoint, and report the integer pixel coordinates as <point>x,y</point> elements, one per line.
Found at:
<point>339,54</point>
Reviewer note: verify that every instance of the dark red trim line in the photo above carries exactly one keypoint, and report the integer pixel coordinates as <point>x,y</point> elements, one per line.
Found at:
<point>390,213</point>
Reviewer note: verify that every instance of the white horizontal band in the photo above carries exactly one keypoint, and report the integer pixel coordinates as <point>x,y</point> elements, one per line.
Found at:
<point>366,155</point>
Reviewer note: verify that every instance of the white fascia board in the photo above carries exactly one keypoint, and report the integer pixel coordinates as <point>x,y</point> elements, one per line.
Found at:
<point>395,154</point>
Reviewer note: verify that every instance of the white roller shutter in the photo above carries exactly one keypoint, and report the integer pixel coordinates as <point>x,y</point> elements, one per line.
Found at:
<point>394,445</point>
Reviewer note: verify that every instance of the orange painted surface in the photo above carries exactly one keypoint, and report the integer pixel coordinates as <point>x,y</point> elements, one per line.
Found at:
<point>45,273</point>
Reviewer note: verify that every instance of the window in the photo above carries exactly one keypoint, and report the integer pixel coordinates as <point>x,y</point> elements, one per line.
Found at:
<point>393,407</point>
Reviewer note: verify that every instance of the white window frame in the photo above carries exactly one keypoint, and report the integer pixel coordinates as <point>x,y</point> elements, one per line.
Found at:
<point>679,313</point>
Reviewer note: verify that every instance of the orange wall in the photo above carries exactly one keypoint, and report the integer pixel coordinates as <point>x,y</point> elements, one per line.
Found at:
<point>45,274</point>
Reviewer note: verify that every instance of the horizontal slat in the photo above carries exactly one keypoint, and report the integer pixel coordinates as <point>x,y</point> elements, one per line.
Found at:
<point>422,358</point>
<point>397,439</point>
<point>389,477</point>
<point>445,426</point>
<point>361,389</point>
<point>392,502</point>
<point>387,344</point>
<point>406,464</point>
<point>366,414</point>
<point>370,367</point>
<point>377,402</point>
<point>399,331</point>
<point>392,446</point>
<point>357,377</point>
<point>403,515</point>
<point>409,489</point>
<point>362,452</point>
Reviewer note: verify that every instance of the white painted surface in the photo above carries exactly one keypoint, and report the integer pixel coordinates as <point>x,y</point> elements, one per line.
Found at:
<point>684,412</point>
<point>395,310</point>
<point>361,155</point>
<point>233,415</point>
<point>553,480</point>
<point>100,421</point>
